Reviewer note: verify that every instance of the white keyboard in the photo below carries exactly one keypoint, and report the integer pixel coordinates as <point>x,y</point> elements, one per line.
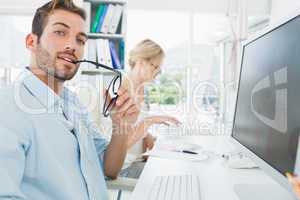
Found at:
<point>175,187</point>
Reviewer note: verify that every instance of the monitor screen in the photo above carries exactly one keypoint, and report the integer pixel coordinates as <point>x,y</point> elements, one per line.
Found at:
<point>267,115</point>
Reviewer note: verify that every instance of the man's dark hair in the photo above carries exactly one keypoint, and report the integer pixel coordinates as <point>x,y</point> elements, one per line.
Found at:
<point>41,15</point>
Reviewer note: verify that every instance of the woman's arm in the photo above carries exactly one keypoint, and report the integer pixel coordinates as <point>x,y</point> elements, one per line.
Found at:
<point>140,131</point>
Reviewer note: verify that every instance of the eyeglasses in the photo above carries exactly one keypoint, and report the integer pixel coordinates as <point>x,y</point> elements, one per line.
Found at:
<point>155,66</point>
<point>113,87</point>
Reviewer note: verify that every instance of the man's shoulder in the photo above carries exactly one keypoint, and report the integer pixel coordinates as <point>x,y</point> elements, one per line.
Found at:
<point>12,116</point>
<point>7,94</point>
<point>16,100</point>
<point>11,96</point>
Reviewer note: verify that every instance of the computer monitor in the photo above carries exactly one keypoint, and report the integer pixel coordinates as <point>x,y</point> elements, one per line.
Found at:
<point>267,116</point>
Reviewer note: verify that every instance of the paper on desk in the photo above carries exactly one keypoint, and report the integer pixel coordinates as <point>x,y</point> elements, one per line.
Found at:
<point>176,155</point>
<point>169,145</point>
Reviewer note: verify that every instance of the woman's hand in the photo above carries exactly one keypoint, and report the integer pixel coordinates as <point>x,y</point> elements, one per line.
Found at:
<point>167,120</point>
<point>295,181</point>
<point>141,129</point>
<point>122,114</point>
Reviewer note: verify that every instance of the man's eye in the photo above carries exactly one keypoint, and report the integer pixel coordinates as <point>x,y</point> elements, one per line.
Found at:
<point>60,33</point>
<point>81,41</point>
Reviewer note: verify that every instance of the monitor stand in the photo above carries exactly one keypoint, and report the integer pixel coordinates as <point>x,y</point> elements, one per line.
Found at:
<point>261,192</point>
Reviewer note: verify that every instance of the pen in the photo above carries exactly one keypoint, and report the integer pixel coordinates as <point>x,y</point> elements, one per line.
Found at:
<point>186,151</point>
<point>190,152</point>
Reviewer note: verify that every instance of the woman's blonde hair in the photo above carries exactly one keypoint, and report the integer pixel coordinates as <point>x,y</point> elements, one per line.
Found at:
<point>146,49</point>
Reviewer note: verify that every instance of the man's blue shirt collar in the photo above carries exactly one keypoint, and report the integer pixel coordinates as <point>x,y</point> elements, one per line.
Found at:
<point>44,94</point>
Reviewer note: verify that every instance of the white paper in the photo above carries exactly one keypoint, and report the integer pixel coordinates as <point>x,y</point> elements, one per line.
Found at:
<point>176,155</point>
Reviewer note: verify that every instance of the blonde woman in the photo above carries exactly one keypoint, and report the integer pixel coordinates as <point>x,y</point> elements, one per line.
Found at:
<point>145,61</point>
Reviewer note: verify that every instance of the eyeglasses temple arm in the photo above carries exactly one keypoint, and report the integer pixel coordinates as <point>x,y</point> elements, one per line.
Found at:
<point>98,65</point>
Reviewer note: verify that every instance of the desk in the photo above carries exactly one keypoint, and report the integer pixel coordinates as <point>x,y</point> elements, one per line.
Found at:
<point>217,180</point>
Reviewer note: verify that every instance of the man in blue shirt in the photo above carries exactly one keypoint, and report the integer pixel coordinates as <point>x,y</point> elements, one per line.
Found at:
<point>49,146</point>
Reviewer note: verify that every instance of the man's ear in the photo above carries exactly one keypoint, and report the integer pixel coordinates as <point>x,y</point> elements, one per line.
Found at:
<point>31,42</point>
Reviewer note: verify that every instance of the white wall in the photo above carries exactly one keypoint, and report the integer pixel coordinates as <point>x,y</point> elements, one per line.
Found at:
<point>19,7</point>
<point>282,8</point>
<point>255,7</point>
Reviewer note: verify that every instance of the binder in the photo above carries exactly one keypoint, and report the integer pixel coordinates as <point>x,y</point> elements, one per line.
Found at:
<point>122,53</point>
<point>101,18</point>
<point>115,19</point>
<point>107,18</point>
<point>107,53</point>
<point>100,52</point>
<point>96,18</point>
<point>115,58</point>
<point>91,53</point>
<point>85,66</point>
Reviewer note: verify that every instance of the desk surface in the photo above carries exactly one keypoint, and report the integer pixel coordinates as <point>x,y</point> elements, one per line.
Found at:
<point>217,180</point>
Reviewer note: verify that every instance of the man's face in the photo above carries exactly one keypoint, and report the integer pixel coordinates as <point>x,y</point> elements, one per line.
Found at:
<point>62,42</point>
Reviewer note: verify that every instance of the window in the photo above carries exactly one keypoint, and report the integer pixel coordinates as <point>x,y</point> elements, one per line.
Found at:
<point>196,46</point>
<point>191,67</point>
<point>13,54</point>
<point>170,29</point>
<point>13,32</point>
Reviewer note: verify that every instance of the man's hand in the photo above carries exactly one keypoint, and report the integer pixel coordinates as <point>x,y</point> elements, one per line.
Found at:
<point>148,142</point>
<point>123,117</point>
<point>125,110</point>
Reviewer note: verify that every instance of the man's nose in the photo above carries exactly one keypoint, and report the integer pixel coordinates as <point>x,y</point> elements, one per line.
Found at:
<point>70,48</point>
<point>71,45</point>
